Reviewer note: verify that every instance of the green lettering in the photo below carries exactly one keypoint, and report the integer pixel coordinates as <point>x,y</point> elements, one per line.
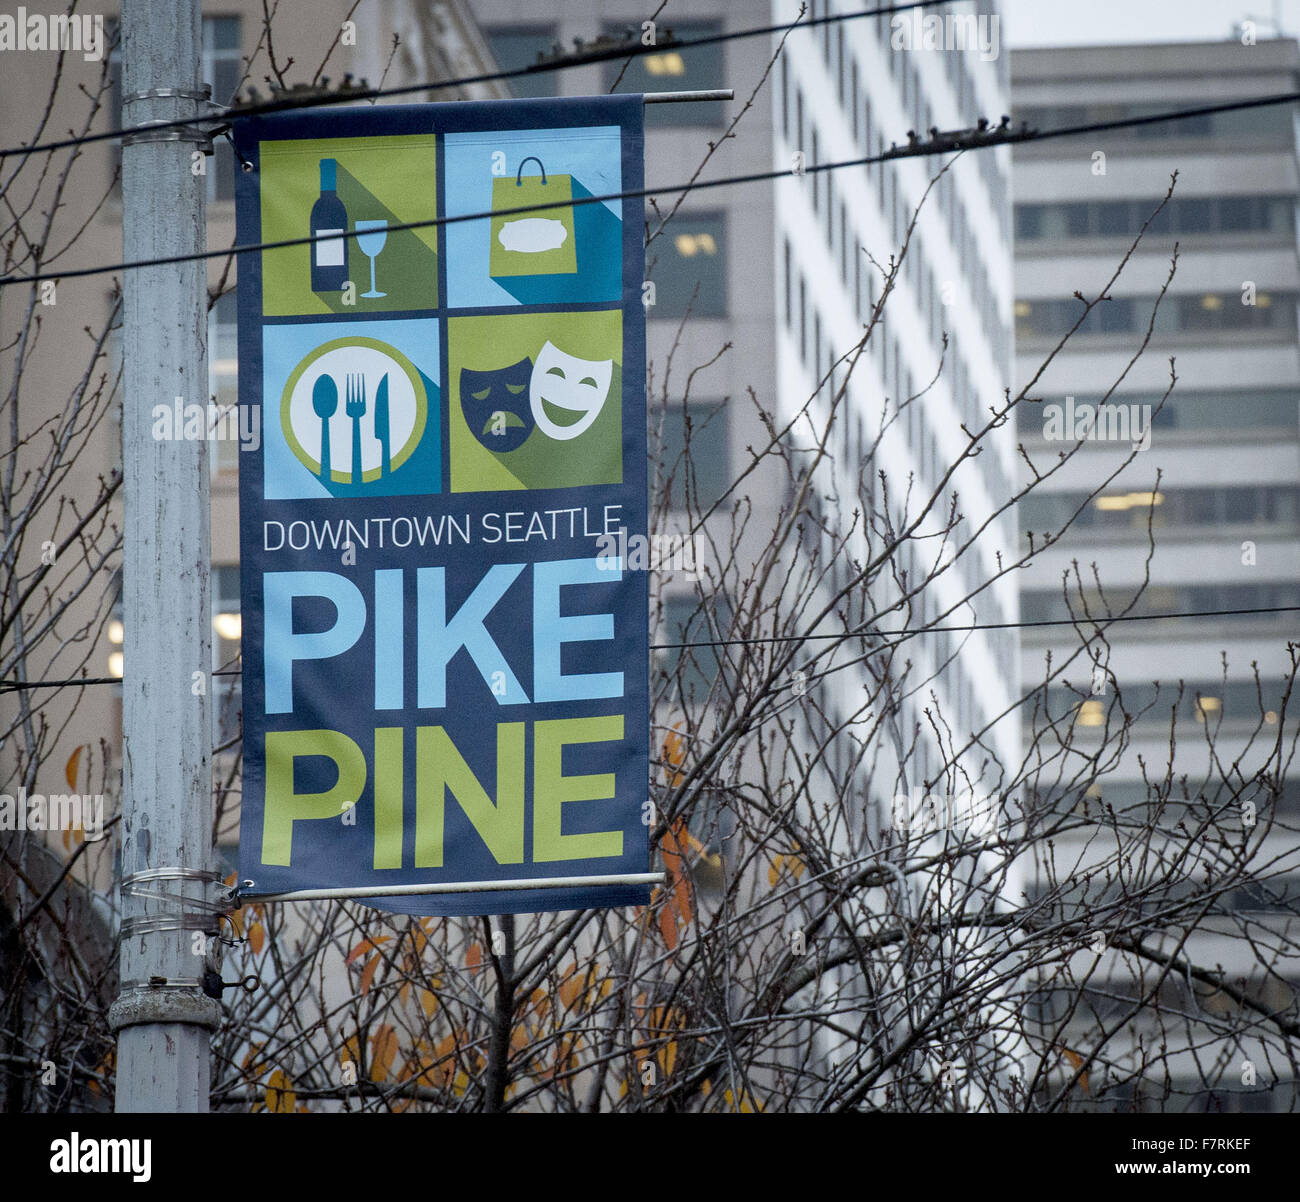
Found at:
<point>440,768</point>
<point>552,790</point>
<point>388,797</point>
<point>284,807</point>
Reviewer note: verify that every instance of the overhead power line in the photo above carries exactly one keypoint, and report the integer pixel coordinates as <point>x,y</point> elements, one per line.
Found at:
<point>979,137</point>
<point>1096,620</point>
<point>600,51</point>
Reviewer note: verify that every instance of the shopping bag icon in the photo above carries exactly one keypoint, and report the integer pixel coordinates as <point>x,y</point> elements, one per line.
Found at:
<point>540,242</point>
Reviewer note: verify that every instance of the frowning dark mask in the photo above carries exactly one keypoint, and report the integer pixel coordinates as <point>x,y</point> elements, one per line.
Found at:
<point>496,407</point>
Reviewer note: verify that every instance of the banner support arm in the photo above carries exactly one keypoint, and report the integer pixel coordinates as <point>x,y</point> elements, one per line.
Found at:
<point>554,882</point>
<point>678,97</point>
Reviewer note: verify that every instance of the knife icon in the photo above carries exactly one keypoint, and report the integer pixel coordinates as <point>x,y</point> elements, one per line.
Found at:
<point>381,427</point>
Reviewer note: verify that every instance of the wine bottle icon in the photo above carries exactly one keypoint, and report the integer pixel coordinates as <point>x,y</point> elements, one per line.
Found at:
<point>329,223</point>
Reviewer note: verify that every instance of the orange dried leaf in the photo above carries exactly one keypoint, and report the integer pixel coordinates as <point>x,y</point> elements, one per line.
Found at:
<point>668,927</point>
<point>368,973</point>
<point>674,752</point>
<point>70,768</point>
<point>383,1051</point>
<point>1075,1061</point>
<point>667,1056</point>
<point>253,1067</point>
<point>570,987</point>
<point>366,945</point>
<point>280,1095</point>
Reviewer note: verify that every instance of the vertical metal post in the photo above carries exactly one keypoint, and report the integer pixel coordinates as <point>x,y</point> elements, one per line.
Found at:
<point>162,1018</point>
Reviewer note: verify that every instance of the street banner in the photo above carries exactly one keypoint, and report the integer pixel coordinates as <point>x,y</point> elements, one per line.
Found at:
<point>445,659</point>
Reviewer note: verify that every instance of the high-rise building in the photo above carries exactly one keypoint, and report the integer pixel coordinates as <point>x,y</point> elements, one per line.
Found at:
<point>780,272</point>
<point>1207,513</point>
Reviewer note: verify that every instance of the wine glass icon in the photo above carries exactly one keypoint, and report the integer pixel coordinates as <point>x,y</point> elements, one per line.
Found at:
<point>371,236</point>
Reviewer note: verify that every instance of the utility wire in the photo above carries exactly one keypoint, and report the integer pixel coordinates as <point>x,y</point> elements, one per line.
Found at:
<point>578,58</point>
<point>1100,620</point>
<point>944,143</point>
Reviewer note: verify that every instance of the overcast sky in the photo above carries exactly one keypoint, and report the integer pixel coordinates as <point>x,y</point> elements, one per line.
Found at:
<point>1093,22</point>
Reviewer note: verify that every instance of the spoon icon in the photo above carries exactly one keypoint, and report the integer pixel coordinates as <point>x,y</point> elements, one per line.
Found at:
<point>325,402</point>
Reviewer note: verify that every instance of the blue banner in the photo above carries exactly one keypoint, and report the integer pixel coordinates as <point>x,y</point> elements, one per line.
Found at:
<point>445,662</point>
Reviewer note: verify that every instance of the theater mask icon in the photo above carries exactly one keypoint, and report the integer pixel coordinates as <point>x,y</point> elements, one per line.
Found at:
<point>567,393</point>
<point>496,405</point>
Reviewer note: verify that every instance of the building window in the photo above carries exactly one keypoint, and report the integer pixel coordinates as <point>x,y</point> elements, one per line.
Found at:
<point>855,93</point>
<point>1210,311</point>
<point>223,382</point>
<point>1253,125</point>
<point>816,175</point>
<point>690,672</point>
<point>227,630</point>
<point>844,244</point>
<point>700,426</point>
<point>803,318</point>
<point>516,46</point>
<point>690,272</point>
<point>789,287</point>
<point>1239,700</point>
<point>695,68</point>
<point>1188,217</point>
<point>1180,507</point>
<point>785,99</point>
<point>222,71</point>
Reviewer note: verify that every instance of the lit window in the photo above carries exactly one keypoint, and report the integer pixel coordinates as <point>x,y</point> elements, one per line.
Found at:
<point>690,272</point>
<point>669,63</point>
<point>229,626</point>
<point>1211,303</point>
<point>1091,713</point>
<point>689,245</point>
<point>1129,500</point>
<point>691,69</point>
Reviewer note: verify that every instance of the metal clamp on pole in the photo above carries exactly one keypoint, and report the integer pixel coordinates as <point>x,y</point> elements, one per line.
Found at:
<point>167,130</point>
<point>171,999</point>
<point>189,913</point>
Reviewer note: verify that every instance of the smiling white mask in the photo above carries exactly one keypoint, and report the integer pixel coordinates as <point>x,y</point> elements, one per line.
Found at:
<point>579,386</point>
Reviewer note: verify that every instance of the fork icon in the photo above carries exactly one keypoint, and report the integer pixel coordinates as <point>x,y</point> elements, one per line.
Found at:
<point>355,408</point>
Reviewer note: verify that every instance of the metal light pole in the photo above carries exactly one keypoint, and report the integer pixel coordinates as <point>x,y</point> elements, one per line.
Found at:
<point>162,1017</point>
